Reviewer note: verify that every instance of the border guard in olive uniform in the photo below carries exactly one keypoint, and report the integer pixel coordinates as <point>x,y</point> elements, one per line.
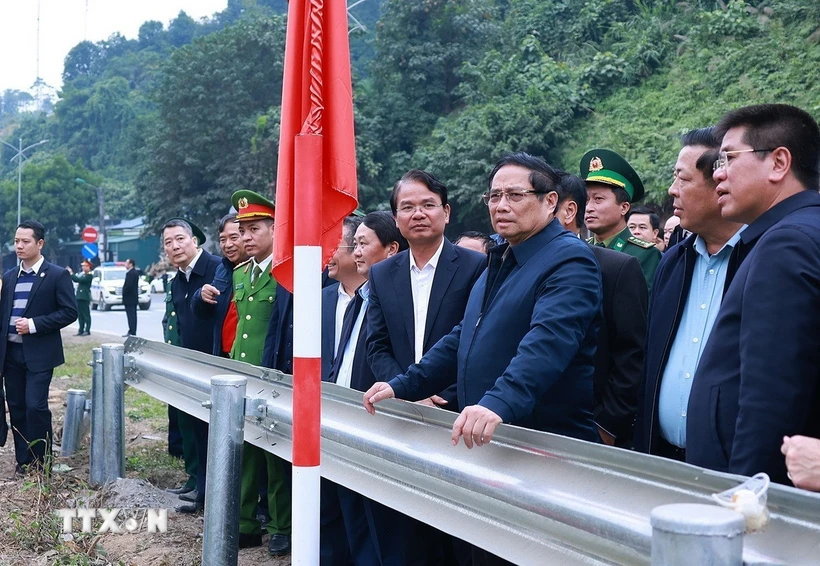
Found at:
<point>83,281</point>
<point>254,292</point>
<point>612,185</point>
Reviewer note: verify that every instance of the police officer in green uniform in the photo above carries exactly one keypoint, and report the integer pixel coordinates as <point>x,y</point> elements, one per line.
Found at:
<point>83,281</point>
<point>254,291</point>
<point>612,185</point>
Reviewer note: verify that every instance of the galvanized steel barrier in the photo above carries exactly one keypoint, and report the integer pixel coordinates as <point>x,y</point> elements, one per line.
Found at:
<point>529,497</point>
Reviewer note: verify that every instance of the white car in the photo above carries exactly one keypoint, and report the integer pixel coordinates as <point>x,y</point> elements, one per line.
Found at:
<point>106,288</point>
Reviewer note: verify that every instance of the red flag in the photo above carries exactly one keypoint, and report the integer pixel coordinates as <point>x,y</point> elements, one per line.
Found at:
<point>317,98</point>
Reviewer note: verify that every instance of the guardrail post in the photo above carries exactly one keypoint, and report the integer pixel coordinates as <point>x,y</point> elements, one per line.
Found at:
<point>686,533</point>
<point>113,412</point>
<point>96,470</point>
<point>220,543</point>
<point>73,422</point>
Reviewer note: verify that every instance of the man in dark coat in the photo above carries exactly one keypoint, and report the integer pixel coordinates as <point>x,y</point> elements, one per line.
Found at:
<point>619,357</point>
<point>425,288</point>
<point>759,376</point>
<point>214,300</point>
<point>523,353</point>
<point>689,286</point>
<point>36,301</point>
<point>130,296</point>
<point>181,241</point>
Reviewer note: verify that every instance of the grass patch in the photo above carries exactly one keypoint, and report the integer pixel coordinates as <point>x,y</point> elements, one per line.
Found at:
<point>141,406</point>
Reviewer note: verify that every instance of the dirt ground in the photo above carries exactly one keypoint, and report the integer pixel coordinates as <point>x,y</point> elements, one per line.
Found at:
<point>30,530</point>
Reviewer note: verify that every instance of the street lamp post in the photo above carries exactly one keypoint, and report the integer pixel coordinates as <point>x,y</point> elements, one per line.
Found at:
<point>101,203</point>
<point>19,157</point>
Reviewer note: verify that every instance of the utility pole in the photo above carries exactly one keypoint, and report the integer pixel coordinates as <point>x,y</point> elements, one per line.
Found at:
<point>19,157</point>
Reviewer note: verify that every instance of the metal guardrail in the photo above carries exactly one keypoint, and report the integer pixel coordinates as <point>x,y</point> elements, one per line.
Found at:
<point>529,497</point>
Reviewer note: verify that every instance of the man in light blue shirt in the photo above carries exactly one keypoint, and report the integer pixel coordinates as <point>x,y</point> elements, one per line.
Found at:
<point>699,314</point>
<point>686,298</point>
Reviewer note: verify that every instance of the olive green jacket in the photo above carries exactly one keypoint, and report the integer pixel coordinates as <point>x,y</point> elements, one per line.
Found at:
<point>83,281</point>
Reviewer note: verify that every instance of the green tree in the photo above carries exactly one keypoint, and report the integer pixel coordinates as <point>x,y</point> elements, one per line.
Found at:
<point>198,150</point>
<point>51,196</point>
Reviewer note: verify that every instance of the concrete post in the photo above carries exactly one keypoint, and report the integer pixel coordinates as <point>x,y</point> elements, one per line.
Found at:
<point>114,411</point>
<point>97,463</point>
<point>73,422</point>
<point>686,533</point>
<point>220,544</point>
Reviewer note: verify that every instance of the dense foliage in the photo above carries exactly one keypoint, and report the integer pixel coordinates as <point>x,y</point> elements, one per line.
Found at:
<point>173,121</point>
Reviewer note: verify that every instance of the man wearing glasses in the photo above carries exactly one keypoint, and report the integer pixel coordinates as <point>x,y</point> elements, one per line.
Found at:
<point>759,375</point>
<point>523,352</point>
<point>416,297</point>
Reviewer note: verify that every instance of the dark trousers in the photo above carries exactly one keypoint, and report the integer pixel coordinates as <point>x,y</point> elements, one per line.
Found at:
<point>344,536</point>
<point>483,558</point>
<point>401,540</point>
<point>174,436</point>
<point>27,396</point>
<point>131,313</point>
<point>84,315</point>
<point>201,444</point>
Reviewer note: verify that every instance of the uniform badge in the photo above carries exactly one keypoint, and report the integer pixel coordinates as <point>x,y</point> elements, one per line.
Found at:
<point>595,164</point>
<point>243,202</point>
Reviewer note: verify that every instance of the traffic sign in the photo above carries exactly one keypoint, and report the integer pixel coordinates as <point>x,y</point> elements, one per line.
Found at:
<point>90,234</point>
<point>90,251</point>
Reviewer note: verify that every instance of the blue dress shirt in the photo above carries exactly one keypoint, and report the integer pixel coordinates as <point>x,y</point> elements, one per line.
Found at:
<point>699,314</point>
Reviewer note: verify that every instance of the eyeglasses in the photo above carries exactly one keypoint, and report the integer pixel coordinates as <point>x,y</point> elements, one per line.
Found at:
<point>353,247</point>
<point>494,197</point>
<point>409,209</point>
<point>723,156</point>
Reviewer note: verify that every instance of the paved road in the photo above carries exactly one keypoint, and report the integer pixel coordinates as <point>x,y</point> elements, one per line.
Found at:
<point>113,322</point>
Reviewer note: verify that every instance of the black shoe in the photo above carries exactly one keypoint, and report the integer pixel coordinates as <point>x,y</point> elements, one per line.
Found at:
<point>189,496</point>
<point>80,334</point>
<point>179,490</point>
<point>20,470</point>
<point>190,508</point>
<point>249,540</point>
<point>86,333</point>
<point>279,545</point>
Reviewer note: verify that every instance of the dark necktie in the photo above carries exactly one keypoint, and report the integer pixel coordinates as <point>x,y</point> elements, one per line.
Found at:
<point>352,311</point>
<point>257,272</point>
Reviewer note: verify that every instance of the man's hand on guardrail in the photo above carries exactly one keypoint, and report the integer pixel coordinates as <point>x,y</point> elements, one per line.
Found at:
<point>209,294</point>
<point>476,424</point>
<point>434,401</point>
<point>378,392</point>
<point>802,461</point>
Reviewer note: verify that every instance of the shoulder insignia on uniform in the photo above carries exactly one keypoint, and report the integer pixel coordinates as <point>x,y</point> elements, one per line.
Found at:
<point>642,243</point>
<point>238,265</point>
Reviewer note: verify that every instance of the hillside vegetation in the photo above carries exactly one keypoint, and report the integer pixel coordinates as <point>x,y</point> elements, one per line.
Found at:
<point>174,121</point>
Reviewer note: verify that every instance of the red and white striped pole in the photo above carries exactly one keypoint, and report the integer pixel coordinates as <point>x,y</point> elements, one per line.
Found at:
<point>307,346</point>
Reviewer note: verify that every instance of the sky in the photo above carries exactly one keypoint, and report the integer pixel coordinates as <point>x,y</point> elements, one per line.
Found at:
<point>65,23</point>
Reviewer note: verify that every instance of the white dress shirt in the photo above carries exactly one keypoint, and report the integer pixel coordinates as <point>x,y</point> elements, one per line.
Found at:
<point>190,268</point>
<point>341,304</point>
<point>349,353</point>
<point>421,282</point>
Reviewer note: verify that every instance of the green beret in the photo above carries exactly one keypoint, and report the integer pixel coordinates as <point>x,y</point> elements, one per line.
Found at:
<point>251,206</point>
<point>198,234</point>
<point>606,167</point>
